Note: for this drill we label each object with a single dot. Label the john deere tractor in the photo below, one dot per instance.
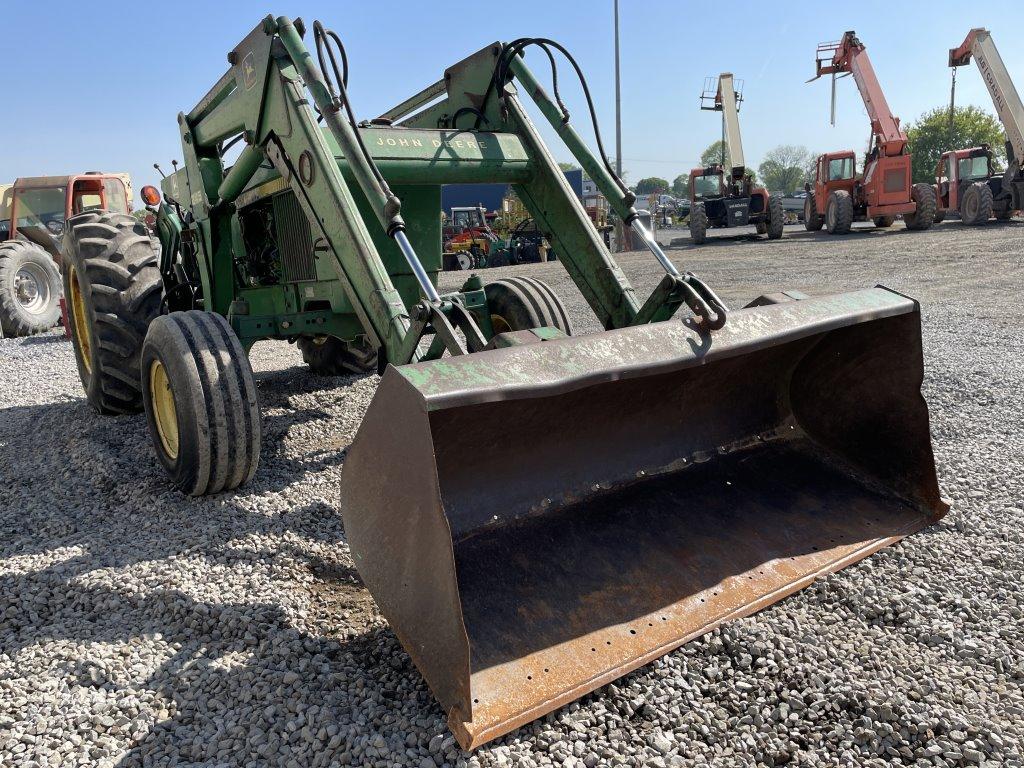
(536, 513)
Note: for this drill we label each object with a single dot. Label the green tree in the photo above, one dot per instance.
(786, 168)
(931, 135)
(569, 166)
(713, 155)
(652, 184)
(681, 185)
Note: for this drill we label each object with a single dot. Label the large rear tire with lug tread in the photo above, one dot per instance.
(698, 224)
(883, 222)
(331, 356)
(523, 303)
(113, 291)
(977, 203)
(839, 212)
(776, 217)
(29, 289)
(201, 402)
(813, 221)
(924, 196)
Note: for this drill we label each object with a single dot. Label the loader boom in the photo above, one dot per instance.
(850, 56)
(338, 172)
(979, 45)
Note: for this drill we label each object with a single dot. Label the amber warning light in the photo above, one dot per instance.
(150, 195)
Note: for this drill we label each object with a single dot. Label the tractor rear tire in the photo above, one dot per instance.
(331, 356)
(113, 292)
(884, 222)
(839, 212)
(776, 217)
(29, 289)
(977, 203)
(698, 224)
(813, 221)
(524, 303)
(927, 204)
(201, 402)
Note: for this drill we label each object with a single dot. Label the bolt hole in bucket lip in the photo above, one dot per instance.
(593, 584)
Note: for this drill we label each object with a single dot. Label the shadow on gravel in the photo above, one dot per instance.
(248, 684)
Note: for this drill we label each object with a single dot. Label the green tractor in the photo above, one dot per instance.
(536, 513)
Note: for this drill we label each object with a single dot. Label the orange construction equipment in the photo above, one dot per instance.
(839, 196)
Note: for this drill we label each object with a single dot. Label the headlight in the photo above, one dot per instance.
(55, 227)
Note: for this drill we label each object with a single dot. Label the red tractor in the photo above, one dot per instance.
(838, 197)
(32, 215)
(966, 181)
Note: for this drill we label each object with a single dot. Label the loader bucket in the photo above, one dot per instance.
(539, 520)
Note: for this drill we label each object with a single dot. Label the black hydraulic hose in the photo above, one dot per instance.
(323, 38)
(502, 75)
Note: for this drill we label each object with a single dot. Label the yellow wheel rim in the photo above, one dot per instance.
(164, 413)
(500, 324)
(80, 320)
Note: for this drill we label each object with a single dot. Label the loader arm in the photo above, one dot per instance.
(849, 55)
(979, 45)
(265, 99)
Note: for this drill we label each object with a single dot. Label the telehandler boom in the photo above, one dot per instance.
(838, 197)
(535, 514)
(734, 201)
(966, 179)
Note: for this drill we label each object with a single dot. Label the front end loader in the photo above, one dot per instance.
(535, 513)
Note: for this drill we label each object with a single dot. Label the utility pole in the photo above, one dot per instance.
(618, 100)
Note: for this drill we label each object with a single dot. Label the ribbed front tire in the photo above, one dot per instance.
(201, 402)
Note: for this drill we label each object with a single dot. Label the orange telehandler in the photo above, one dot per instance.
(838, 197)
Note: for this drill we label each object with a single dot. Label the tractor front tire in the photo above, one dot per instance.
(776, 217)
(976, 206)
(813, 221)
(201, 402)
(839, 212)
(883, 222)
(922, 218)
(524, 303)
(113, 291)
(331, 356)
(698, 224)
(29, 289)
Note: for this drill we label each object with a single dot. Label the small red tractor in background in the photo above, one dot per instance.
(838, 197)
(966, 179)
(32, 215)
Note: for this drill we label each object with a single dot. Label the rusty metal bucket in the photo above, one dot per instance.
(539, 520)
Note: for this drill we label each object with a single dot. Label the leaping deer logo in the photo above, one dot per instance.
(248, 71)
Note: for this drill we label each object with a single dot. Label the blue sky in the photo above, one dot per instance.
(101, 90)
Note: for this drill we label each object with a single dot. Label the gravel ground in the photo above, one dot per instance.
(140, 628)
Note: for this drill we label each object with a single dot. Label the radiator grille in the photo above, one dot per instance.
(895, 180)
(294, 238)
